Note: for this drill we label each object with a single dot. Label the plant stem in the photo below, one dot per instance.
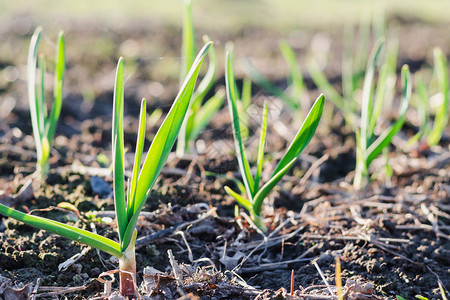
(259, 221)
(127, 266)
(361, 175)
(42, 168)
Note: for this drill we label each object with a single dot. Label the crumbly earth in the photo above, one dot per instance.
(392, 238)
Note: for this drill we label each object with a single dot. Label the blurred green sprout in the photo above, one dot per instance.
(433, 131)
(201, 110)
(44, 122)
(369, 145)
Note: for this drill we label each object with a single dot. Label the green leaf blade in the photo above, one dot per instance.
(367, 96)
(268, 187)
(206, 113)
(241, 200)
(246, 100)
(137, 159)
(41, 104)
(188, 49)
(296, 75)
(261, 148)
(304, 135)
(442, 114)
(162, 144)
(70, 232)
(205, 85)
(118, 153)
(31, 82)
(246, 96)
(379, 97)
(422, 104)
(239, 146)
(207, 82)
(60, 67)
(422, 110)
(385, 138)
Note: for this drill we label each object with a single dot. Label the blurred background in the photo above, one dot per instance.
(148, 35)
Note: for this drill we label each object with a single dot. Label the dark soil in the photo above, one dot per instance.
(393, 236)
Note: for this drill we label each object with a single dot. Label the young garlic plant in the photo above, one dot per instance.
(255, 193)
(432, 131)
(44, 123)
(442, 114)
(200, 111)
(353, 65)
(128, 204)
(368, 145)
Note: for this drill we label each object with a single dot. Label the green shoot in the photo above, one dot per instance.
(188, 48)
(155, 116)
(368, 146)
(441, 116)
(353, 70)
(296, 77)
(433, 131)
(244, 104)
(422, 105)
(201, 111)
(255, 194)
(128, 205)
(44, 124)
